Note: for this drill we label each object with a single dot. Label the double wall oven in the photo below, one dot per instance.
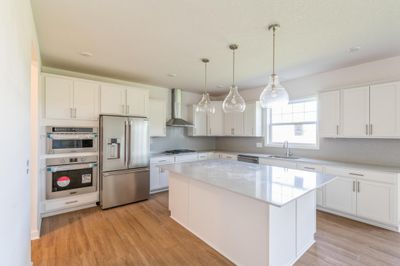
(71, 175)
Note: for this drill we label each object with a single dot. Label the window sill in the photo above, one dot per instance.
(292, 146)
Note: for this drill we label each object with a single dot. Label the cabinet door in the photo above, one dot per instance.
(355, 115)
(86, 100)
(233, 124)
(384, 110)
(154, 178)
(216, 120)
(112, 99)
(58, 98)
(376, 201)
(340, 195)
(252, 120)
(329, 113)
(163, 175)
(199, 120)
(137, 101)
(157, 118)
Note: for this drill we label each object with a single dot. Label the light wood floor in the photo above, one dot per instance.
(143, 234)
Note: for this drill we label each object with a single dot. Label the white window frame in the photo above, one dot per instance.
(268, 125)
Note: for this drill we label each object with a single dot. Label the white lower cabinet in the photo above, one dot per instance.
(340, 195)
(375, 201)
(158, 177)
(367, 195)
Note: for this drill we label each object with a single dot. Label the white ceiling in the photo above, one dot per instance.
(144, 40)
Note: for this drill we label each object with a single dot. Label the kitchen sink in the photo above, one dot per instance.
(283, 157)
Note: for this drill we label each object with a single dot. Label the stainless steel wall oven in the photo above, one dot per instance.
(69, 176)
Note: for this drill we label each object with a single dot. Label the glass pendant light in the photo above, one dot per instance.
(274, 94)
(233, 102)
(205, 104)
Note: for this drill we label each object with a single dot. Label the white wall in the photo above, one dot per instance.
(17, 35)
(371, 151)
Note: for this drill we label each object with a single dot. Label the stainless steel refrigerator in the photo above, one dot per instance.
(124, 160)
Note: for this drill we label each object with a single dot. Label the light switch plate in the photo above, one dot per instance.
(259, 144)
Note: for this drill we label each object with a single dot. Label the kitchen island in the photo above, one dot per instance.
(252, 214)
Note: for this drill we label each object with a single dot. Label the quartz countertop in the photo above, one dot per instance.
(271, 184)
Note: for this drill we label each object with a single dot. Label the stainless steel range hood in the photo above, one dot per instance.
(176, 110)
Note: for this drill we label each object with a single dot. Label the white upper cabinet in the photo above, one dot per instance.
(253, 120)
(66, 98)
(157, 118)
(329, 114)
(215, 121)
(199, 120)
(234, 124)
(58, 97)
(137, 102)
(355, 115)
(121, 100)
(112, 99)
(362, 112)
(86, 100)
(384, 110)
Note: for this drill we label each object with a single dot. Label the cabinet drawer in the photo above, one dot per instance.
(69, 202)
(204, 156)
(186, 158)
(310, 167)
(362, 174)
(280, 163)
(162, 160)
(228, 156)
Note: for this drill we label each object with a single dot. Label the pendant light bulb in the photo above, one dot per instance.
(233, 102)
(205, 104)
(274, 94)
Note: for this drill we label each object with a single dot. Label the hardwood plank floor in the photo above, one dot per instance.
(143, 234)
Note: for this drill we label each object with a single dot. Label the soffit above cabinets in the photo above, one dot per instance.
(144, 40)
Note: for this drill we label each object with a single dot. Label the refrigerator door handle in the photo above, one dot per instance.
(126, 144)
(129, 144)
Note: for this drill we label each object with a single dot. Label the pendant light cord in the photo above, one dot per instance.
(205, 77)
(273, 50)
(233, 68)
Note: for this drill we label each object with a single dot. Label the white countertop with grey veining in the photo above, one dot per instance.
(271, 184)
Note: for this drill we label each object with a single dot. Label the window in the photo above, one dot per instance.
(295, 123)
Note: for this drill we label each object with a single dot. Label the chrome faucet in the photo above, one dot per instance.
(288, 152)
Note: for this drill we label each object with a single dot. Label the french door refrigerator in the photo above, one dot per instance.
(124, 160)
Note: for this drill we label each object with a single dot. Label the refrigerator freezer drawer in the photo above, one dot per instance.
(123, 187)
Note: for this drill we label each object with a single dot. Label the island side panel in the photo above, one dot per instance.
(234, 225)
(306, 226)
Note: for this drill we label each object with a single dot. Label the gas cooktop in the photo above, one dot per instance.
(178, 151)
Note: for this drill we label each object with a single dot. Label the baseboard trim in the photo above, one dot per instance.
(351, 217)
(35, 234)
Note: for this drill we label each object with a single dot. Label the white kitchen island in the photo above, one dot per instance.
(252, 214)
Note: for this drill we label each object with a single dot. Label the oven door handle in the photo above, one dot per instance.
(71, 167)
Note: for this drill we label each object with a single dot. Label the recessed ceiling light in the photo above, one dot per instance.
(354, 49)
(86, 54)
(172, 75)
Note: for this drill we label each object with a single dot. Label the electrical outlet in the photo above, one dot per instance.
(259, 144)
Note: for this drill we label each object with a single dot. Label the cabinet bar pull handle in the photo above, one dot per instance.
(356, 174)
(70, 202)
(309, 168)
(358, 186)
(127, 109)
(123, 108)
(71, 113)
(366, 129)
(354, 186)
(370, 129)
(337, 129)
